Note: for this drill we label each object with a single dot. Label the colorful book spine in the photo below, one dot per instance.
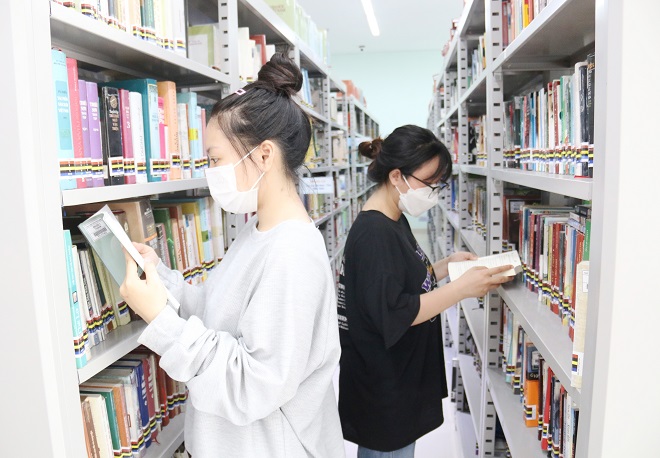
(130, 171)
(111, 134)
(84, 124)
(164, 163)
(137, 130)
(184, 143)
(167, 90)
(76, 123)
(202, 161)
(77, 327)
(95, 140)
(65, 150)
(190, 99)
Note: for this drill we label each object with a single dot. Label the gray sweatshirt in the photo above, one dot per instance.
(257, 346)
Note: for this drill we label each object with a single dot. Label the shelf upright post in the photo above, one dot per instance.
(494, 189)
(42, 391)
(227, 14)
(463, 137)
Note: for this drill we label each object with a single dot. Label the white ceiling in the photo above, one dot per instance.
(405, 25)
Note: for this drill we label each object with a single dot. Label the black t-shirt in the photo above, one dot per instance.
(392, 375)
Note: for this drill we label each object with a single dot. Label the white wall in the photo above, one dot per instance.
(396, 85)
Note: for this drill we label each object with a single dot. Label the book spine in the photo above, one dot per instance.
(152, 134)
(202, 159)
(95, 140)
(65, 151)
(184, 143)
(591, 73)
(127, 137)
(137, 132)
(167, 90)
(76, 123)
(84, 120)
(111, 135)
(74, 307)
(164, 163)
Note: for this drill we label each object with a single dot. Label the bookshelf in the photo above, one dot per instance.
(563, 33)
(46, 362)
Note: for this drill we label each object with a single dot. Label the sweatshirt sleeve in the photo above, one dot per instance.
(246, 378)
(190, 297)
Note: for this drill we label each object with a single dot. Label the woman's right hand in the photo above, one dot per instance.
(147, 253)
(478, 281)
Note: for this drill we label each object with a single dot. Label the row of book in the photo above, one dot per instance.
(125, 406)
(477, 135)
(135, 131)
(162, 22)
(478, 205)
(477, 61)
(551, 129)
(187, 235)
(311, 93)
(516, 15)
(553, 243)
(546, 405)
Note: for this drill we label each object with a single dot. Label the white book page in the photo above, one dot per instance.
(456, 269)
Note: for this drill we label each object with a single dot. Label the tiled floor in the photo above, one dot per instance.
(444, 441)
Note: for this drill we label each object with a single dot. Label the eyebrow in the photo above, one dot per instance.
(208, 150)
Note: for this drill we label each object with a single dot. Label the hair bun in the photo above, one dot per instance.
(371, 149)
(282, 74)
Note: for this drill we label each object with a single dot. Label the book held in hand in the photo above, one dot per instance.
(107, 237)
(457, 269)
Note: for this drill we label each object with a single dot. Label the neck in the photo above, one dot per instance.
(279, 202)
(385, 200)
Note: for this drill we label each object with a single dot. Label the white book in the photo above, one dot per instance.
(159, 23)
(457, 269)
(179, 21)
(168, 25)
(182, 119)
(270, 51)
(134, 23)
(580, 324)
(137, 132)
(575, 105)
(101, 424)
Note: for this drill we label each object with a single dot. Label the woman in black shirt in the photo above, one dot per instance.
(392, 378)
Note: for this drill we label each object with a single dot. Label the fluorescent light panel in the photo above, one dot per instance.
(371, 17)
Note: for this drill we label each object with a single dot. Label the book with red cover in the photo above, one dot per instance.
(260, 41)
(76, 121)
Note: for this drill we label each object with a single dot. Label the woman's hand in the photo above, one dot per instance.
(442, 267)
(146, 297)
(478, 281)
(147, 253)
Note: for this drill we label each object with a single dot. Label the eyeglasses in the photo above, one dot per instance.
(434, 187)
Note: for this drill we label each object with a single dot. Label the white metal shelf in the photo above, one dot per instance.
(95, 43)
(453, 218)
(474, 170)
(365, 190)
(466, 433)
(522, 441)
(169, 439)
(476, 318)
(475, 242)
(476, 93)
(322, 219)
(309, 60)
(313, 113)
(451, 315)
(127, 191)
(545, 330)
(335, 125)
(441, 247)
(472, 388)
(341, 208)
(562, 29)
(580, 188)
(362, 108)
(306, 169)
(452, 112)
(117, 343)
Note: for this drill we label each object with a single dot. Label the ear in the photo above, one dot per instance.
(396, 178)
(265, 155)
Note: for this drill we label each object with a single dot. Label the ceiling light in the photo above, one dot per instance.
(371, 17)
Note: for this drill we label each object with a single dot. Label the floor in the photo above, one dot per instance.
(444, 441)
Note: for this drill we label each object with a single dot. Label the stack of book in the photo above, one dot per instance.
(546, 405)
(125, 406)
(125, 132)
(156, 21)
(551, 129)
(187, 235)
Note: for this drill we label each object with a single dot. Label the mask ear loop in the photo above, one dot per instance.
(245, 157)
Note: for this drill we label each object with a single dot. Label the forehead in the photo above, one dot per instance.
(217, 140)
(428, 170)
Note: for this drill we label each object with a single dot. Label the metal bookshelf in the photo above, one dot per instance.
(105, 53)
(472, 386)
(563, 33)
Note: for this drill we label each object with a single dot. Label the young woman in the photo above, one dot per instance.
(392, 378)
(257, 345)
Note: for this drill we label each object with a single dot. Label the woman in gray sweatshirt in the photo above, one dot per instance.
(257, 344)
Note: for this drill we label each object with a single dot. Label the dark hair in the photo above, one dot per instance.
(407, 148)
(266, 111)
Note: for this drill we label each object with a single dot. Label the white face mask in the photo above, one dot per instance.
(417, 201)
(224, 190)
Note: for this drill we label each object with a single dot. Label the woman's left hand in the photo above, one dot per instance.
(146, 297)
(462, 256)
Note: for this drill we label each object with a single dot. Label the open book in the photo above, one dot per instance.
(107, 237)
(456, 269)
